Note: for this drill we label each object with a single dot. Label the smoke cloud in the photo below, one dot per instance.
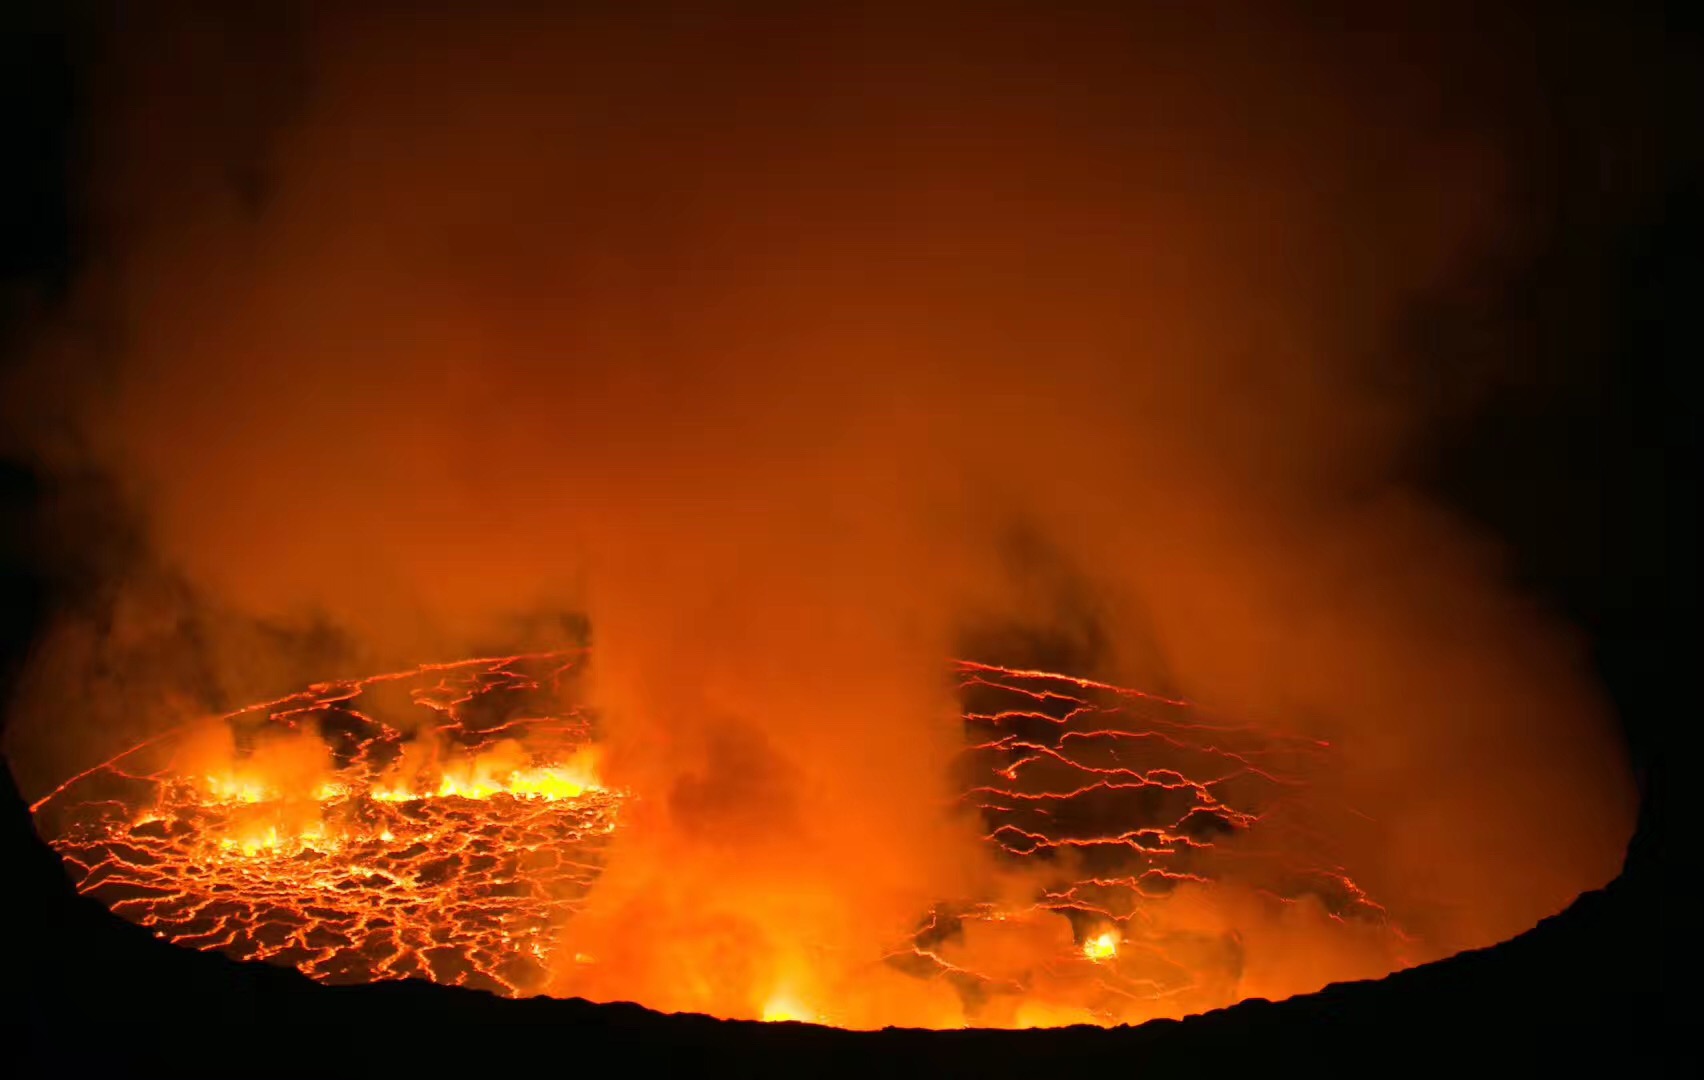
(797, 351)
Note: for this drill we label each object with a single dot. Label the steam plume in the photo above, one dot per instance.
(757, 339)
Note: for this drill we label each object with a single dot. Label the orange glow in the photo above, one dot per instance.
(714, 384)
(1103, 946)
(781, 1007)
(462, 849)
(463, 878)
(547, 782)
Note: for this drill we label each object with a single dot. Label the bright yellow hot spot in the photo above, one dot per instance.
(266, 841)
(237, 789)
(782, 1007)
(1103, 946)
(545, 783)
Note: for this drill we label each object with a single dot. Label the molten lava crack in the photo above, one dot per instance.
(1110, 799)
(455, 820)
(460, 871)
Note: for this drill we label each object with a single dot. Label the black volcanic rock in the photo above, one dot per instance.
(95, 995)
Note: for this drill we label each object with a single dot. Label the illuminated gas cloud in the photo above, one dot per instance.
(796, 357)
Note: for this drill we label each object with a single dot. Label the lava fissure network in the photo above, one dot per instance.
(447, 822)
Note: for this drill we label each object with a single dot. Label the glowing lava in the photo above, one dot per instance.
(446, 823)
(1139, 822)
(1103, 946)
(458, 865)
(782, 1007)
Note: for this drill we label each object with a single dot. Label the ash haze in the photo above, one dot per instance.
(755, 338)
